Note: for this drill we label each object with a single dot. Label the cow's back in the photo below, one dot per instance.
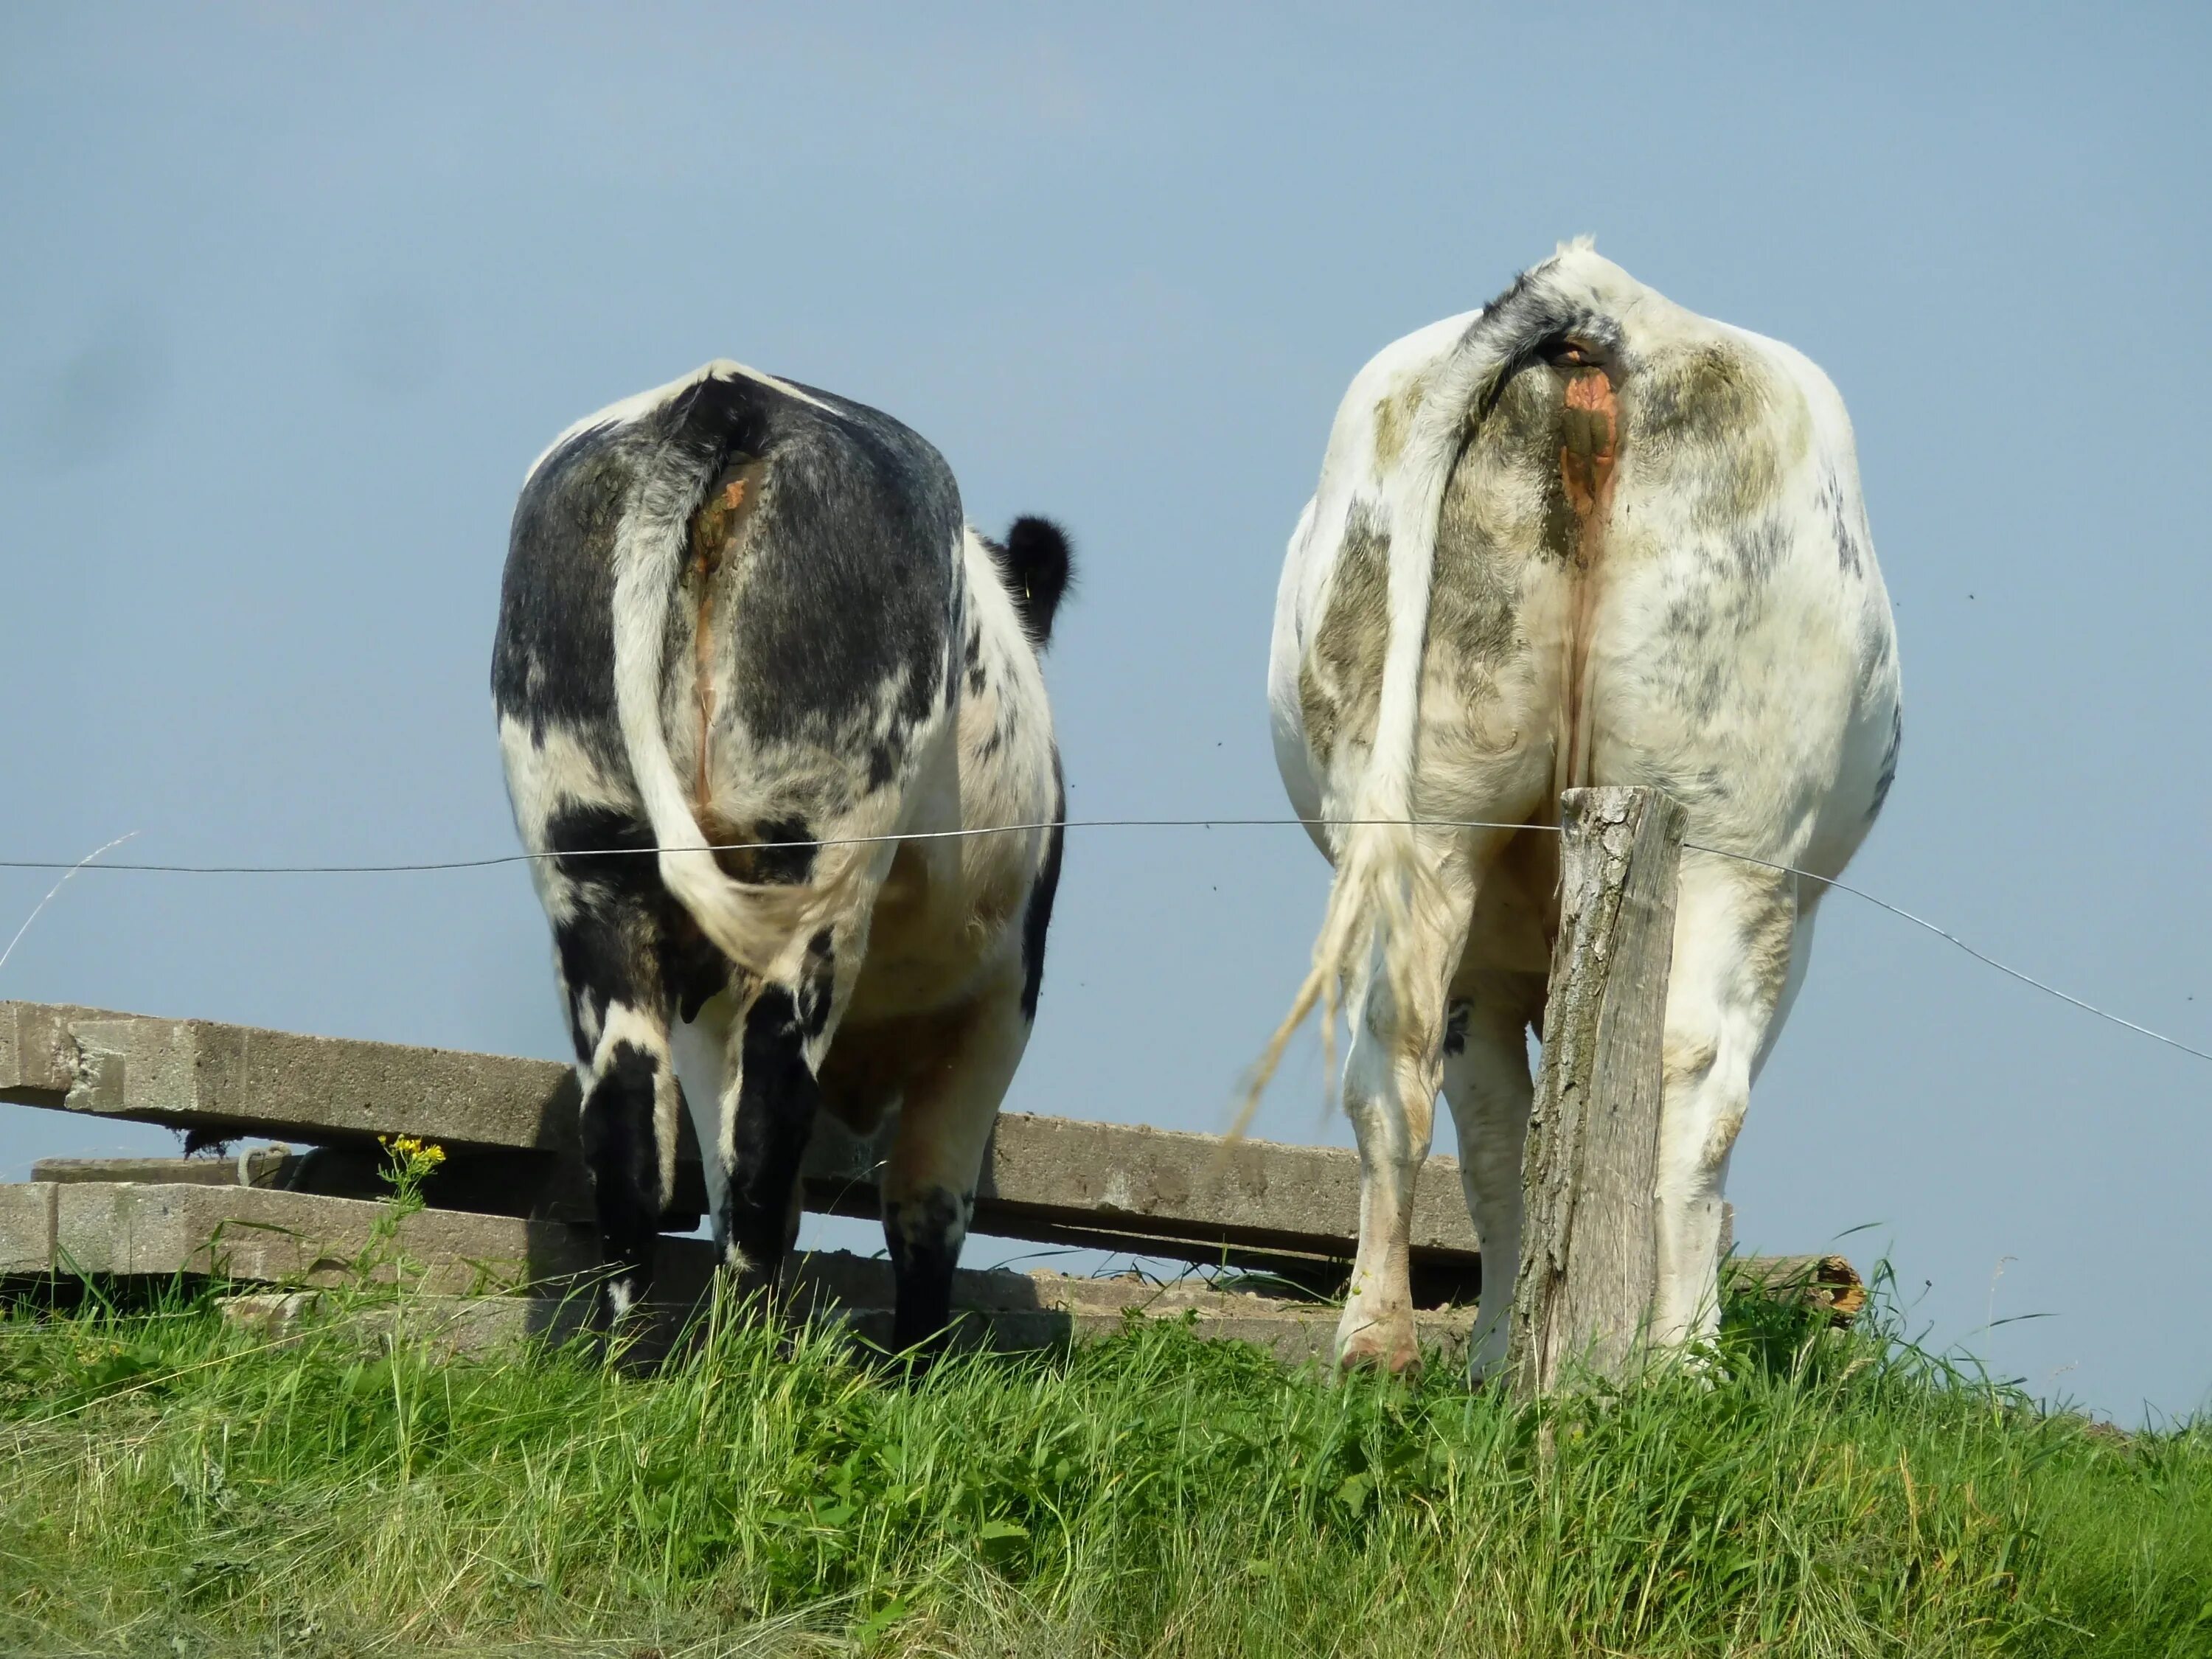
(1715, 626)
(823, 623)
(553, 654)
(1743, 654)
(844, 599)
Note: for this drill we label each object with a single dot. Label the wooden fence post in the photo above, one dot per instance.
(1589, 1256)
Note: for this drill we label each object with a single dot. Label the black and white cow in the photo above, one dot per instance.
(1581, 536)
(745, 622)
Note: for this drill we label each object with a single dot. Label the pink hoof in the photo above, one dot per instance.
(1385, 1345)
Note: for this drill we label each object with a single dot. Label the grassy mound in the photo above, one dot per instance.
(170, 1485)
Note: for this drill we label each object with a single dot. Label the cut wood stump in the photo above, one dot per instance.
(1828, 1283)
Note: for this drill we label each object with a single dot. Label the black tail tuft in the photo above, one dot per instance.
(1039, 568)
(213, 1143)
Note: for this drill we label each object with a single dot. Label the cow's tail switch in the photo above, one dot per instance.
(1574, 299)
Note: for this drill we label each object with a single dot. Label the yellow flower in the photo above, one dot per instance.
(413, 1156)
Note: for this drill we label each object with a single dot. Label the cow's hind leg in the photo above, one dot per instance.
(1391, 1076)
(962, 1070)
(1732, 943)
(613, 976)
(1486, 1082)
(771, 1095)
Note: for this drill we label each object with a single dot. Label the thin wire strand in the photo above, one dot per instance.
(1860, 893)
(38, 909)
(761, 846)
(1900, 912)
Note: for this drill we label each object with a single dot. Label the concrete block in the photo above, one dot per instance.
(256, 1235)
(26, 1227)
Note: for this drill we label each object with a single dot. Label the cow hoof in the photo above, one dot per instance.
(750, 1290)
(1700, 1362)
(912, 1368)
(909, 1365)
(1380, 1346)
(622, 1303)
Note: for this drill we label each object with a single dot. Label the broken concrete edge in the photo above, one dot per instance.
(249, 1080)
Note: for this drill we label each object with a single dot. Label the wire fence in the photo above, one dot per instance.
(91, 861)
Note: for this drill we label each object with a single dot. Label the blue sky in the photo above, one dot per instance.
(296, 294)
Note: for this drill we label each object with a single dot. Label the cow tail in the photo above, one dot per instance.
(1378, 877)
(757, 926)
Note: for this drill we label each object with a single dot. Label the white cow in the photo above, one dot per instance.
(1582, 536)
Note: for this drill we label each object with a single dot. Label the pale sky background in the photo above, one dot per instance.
(293, 295)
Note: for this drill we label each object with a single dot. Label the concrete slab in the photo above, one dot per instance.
(314, 1248)
(244, 1080)
(1010, 1311)
(1254, 1192)
(129, 1229)
(1161, 1191)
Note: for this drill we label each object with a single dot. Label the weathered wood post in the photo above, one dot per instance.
(1588, 1253)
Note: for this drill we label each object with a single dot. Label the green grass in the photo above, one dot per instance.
(168, 1486)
